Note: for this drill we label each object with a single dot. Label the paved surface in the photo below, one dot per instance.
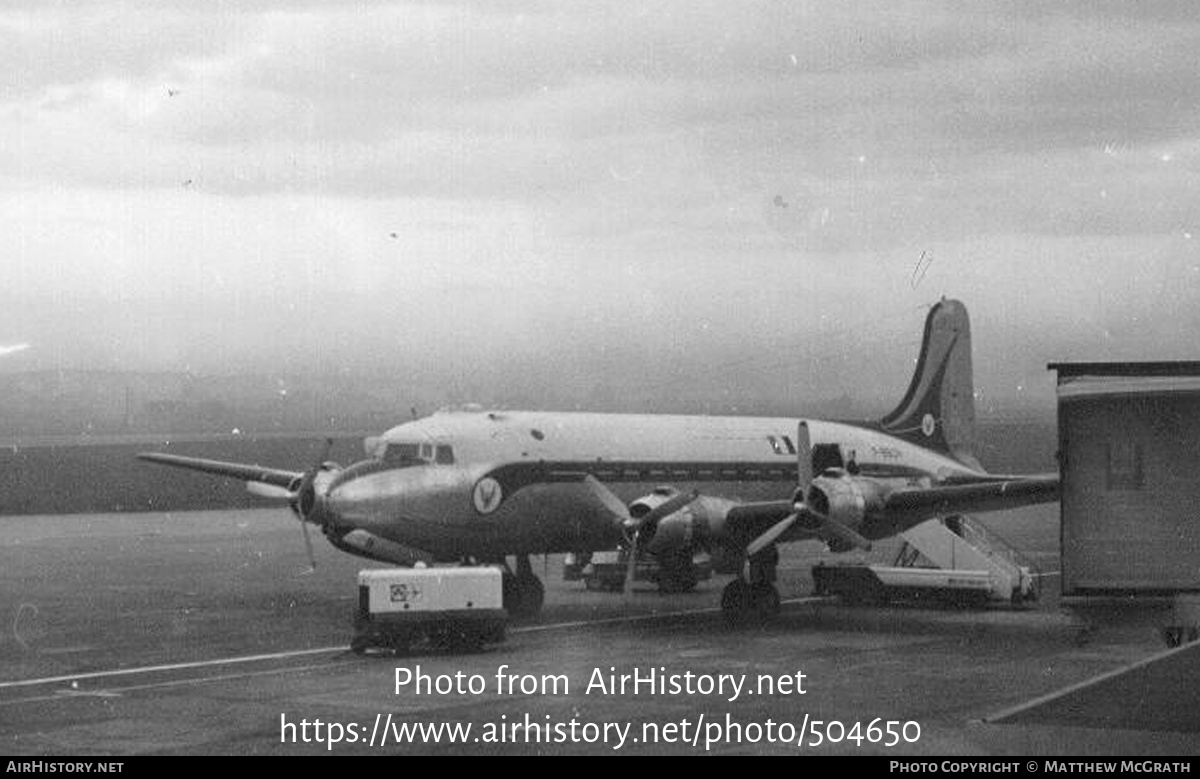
(199, 633)
(1157, 694)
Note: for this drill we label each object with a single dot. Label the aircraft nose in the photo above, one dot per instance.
(330, 512)
(371, 496)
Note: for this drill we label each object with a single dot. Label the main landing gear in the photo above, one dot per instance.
(523, 591)
(753, 598)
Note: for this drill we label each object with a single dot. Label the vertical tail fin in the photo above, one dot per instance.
(938, 410)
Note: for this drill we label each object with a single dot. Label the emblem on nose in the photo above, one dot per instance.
(487, 495)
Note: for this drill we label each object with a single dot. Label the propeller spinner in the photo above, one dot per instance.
(803, 506)
(302, 499)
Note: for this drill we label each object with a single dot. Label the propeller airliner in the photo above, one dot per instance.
(477, 486)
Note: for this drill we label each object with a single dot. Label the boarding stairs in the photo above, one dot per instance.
(959, 545)
(956, 559)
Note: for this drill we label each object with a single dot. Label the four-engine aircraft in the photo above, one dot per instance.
(478, 486)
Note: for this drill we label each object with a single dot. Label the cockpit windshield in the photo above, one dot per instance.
(403, 455)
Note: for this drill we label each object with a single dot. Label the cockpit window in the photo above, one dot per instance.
(402, 454)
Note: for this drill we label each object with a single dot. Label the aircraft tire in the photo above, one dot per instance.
(677, 575)
(523, 595)
(669, 585)
(765, 599)
(533, 594)
(736, 601)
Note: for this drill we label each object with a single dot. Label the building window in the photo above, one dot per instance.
(1125, 465)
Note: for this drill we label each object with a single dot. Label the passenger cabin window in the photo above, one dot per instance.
(445, 455)
(825, 456)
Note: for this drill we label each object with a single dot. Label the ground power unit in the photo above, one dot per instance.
(443, 608)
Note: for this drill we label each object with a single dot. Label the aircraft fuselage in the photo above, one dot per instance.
(488, 483)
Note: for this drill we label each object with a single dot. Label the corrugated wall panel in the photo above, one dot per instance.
(1131, 493)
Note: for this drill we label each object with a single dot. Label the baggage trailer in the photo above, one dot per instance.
(606, 571)
(446, 608)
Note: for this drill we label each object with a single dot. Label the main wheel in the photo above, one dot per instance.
(523, 595)
(677, 574)
(764, 600)
(736, 601)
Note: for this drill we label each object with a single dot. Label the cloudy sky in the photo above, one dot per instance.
(628, 203)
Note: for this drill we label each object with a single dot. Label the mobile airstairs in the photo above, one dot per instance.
(946, 561)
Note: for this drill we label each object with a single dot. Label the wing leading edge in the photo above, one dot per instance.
(999, 495)
(249, 473)
(884, 511)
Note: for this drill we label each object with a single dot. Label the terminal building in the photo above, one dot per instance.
(1129, 452)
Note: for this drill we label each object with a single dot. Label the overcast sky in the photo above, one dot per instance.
(706, 198)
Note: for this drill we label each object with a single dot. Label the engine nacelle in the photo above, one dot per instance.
(845, 499)
(647, 503)
(364, 544)
(689, 528)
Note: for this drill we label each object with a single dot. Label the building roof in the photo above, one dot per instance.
(1160, 368)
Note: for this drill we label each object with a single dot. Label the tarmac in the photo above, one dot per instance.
(202, 633)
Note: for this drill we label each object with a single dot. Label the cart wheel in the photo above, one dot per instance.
(398, 645)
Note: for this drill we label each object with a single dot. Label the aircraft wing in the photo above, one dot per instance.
(745, 522)
(884, 511)
(248, 473)
(919, 504)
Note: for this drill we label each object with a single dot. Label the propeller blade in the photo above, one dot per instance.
(615, 505)
(306, 484)
(631, 568)
(772, 533)
(308, 547)
(617, 508)
(271, 491)
(668, 507)
(803, 457)
(835, 528)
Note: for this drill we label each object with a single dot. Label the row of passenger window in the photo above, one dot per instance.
(693, 474)
(778, 444)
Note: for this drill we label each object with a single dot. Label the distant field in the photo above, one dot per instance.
(1017, 447)
(65, 477)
